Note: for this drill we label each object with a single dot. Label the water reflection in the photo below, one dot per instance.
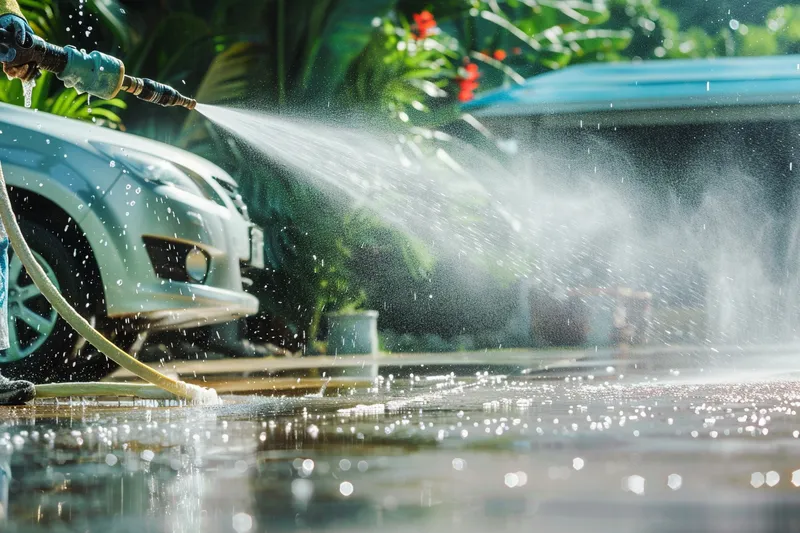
(636, 454)
(5, 481)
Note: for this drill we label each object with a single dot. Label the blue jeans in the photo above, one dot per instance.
(4, 342)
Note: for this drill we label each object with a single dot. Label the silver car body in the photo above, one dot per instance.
(97, 177)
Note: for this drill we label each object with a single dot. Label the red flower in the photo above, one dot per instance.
(468, 83)
(500, 55)
(516, 50)
(424, 22)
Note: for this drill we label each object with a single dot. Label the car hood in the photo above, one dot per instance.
(88, 135)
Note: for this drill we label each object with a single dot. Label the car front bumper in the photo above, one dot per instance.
(184, 305)
(132, 215)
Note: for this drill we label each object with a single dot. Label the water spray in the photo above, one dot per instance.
(102, 76)
(95, 73)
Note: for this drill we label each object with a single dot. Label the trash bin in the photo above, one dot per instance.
(353, 333)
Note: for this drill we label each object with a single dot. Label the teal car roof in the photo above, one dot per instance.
(648, 85)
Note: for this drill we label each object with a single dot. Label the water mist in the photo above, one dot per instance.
(596, 228)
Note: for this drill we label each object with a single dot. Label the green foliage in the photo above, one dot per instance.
(341, 41)
(657, 31)
(537, 36)
(711, 15)
(784, 24)
(393, 75)
(45, 18)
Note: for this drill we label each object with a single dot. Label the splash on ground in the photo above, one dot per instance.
(628, 449)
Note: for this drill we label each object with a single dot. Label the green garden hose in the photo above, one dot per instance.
(177, 388)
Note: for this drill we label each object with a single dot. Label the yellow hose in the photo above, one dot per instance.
(99, 390)
(95, 338)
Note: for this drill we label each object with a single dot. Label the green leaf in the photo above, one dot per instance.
(43, 17)
(226, 79)
(110, 13)
(347, 32)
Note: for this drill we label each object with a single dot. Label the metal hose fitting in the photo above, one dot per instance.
(156, 93)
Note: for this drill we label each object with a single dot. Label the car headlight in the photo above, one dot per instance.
(151, 169)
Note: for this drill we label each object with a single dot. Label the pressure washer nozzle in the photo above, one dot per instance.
(156, 93)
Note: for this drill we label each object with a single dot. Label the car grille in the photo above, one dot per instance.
(233, 193)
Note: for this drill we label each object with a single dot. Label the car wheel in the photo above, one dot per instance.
(43, 347)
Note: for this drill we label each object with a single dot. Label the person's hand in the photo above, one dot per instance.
(23, 34)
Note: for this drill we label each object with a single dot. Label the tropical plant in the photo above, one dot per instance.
(45, 18)
(658, 33)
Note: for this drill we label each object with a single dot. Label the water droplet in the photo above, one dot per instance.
(27, 92)
(635, 484)
(242, 522)
(302, 489)
(674, 481)
(772, 478)
(346, 488)
(511, 480)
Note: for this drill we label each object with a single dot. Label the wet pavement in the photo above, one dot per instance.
(658, 445)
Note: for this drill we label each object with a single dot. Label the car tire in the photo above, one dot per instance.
(45, 349)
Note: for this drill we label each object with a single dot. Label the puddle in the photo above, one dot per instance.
(441, 454)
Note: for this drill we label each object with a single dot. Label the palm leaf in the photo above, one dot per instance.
(347, 32)
(112, 15)
(226, 79)
(43, 18)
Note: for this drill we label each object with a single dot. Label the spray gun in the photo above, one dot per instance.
(95, 73)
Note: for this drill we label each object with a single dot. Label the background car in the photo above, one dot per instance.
(139, 236)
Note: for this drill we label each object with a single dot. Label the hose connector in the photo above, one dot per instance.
(156, 93)
(96, 73)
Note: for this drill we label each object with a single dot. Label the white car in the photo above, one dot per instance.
(138, 235)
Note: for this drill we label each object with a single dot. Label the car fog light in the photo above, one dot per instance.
(197, 265)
